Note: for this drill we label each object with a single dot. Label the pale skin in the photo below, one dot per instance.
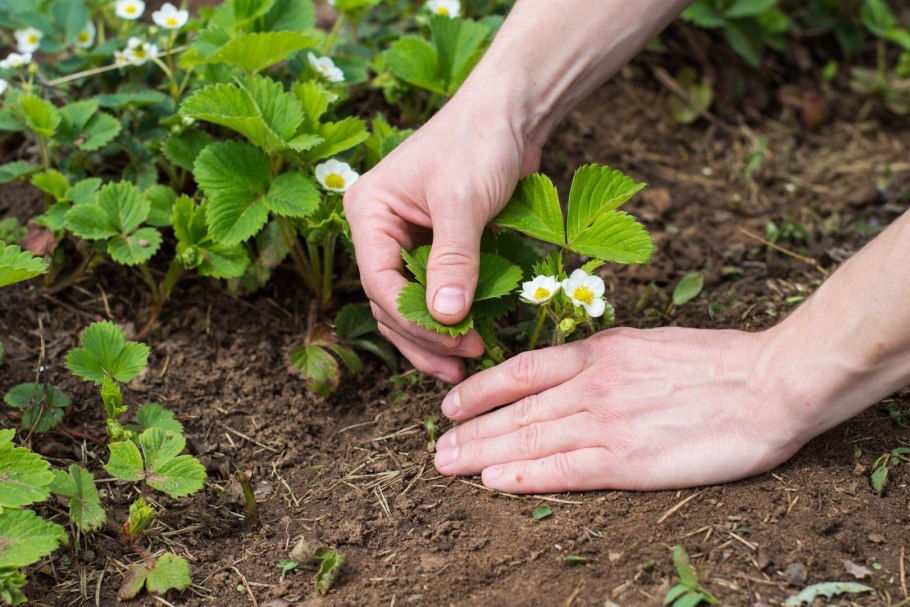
(624, 409)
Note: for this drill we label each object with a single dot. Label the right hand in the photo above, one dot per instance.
(446, 183)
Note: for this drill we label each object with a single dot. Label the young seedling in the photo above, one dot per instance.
(883, 466)
(430, 426)
(326, 561)
(689, 592)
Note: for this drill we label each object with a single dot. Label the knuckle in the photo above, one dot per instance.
(523, 369)
(523, 411)
(560, 468)
(449, 257)
(529, 439)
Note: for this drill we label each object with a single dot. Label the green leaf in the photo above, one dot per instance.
(161, 204)
(329, 566)
(748, 8)
(688, 288)
(825, 589)
(417, 261)
(84, 192)
(138, 98)
(534, 210)
(596, 190)
(106, 352)
(170, 572)
(348, 357)
(290, 15)
(51, 182)
(458, 44)
(154, 415)
(257, 107)
(140, 517)
(541, 512)
(24, 476)
(234, 177)
(133, 581)
(183, 148)
(675, 592)
(690, 599)
(877, 17)
(293, 194)
(89, 221)
(11, 583)
(615, 236)
(26, 538)
(684, 567)
(879, 479)
(412, 305)
(746, 38)
(136, 248)
(354, 321)
(415, 61)
(101, 130)
(702, 14)
(314, 98)
(160, 447)
(17, 265)
(497, 277)
(40, 116)
(196, 250)
(14, 170)
(338, 137)
(164, 469)
(125, 461)
(124, 205)
(85, 505)
(255, 52)
(319, 368)
(29, 398)
(112, 398)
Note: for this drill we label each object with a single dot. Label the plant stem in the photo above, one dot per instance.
(316, 268)
(330, 39)
(541, 317)
(150, 281)
(292, 242)
(328, 261)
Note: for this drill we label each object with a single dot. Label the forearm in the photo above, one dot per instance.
(548, 55)
(849, 345)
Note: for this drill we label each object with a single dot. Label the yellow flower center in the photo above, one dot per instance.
(584, 295)
(172, 21)
(130, 9)
(83, 37)
(334, 181)
(139, 53)
(541, 293)
(442, 11)
(32, 39)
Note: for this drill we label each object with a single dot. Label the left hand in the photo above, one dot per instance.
(625, 409)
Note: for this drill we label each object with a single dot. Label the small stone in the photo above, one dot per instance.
(876, 538)
(796, 574)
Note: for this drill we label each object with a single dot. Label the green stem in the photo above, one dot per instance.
(431, 103)
(150, 281)
(330, 39)
(328, 261)
(316, 265)
(537, 328)
(45, 153)
(170, 279)
(493, 351)
(289, 235)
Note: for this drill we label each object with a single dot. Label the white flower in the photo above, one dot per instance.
(120, 59)
(133, 42)
(86, 37)
(326, 67)
(586, 291)
(3, 86)
(331, 3)
(336, 176)
(28, 39)
(169, 17)
(15, 60)
(140, 53)
(129, 9)
(540, 290)
(446, 8)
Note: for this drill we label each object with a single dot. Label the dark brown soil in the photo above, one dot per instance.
(353, 471)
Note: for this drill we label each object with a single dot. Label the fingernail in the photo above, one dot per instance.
(445, 457)
(451, 404)
(449, 300)
(448, 441)
(491, 473)
(443, 378)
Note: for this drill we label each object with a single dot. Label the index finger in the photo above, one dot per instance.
(526, 374)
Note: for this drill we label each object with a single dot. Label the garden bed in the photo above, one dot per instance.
(353, 471)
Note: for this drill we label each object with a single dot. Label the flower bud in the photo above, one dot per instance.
(567, 325)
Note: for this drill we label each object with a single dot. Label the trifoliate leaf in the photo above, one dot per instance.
(136, 248)
(319, 368)
(183, 148)
(161, 204)
(17, 265)
(124, 204)
(348, 358)
(827, 590)
(534, 210)
(26, 538)
(40, 116)
(458, 44)
(30, 398)
(24, 476)
(105, 352)
(164, 469)
(79, 486)
(353, 321)
(257, 107)
(329, 566)
(125, 462)
(100, 131)
(255, 52)
(160, 447)
(293, 194)
(133, 581)
(614, 236)
(688, 288)
(596, 190)
(415, 61)
(89, 221)
(234, 177)
(196, 250)
(314, 98)
(51, 182)
(154, 415)
(14, 170)
(493, 309)
(412, 305)
(74, 117)
(170, 572)
(84, 192)
(338, 137)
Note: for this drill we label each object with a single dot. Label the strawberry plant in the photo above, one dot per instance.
(592, 227)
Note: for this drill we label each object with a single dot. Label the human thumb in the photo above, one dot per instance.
(453, 266)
